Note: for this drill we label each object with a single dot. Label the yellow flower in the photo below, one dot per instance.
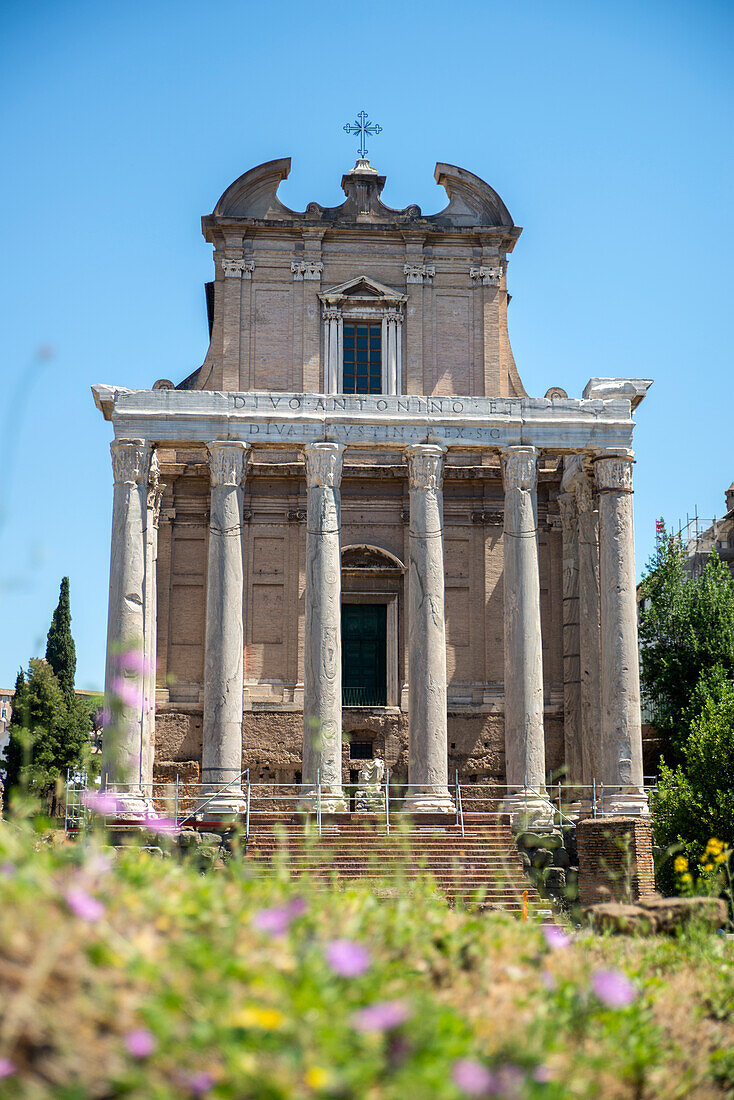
(317, 1078)
(720, 858)
(680, 863)
(267, 1019)
(708, 866)
(715, 846)
(686, 878)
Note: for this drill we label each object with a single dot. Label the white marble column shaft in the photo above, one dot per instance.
(225, 636)
(589, 630)
(571, 676)
(621, 733)
(150, 619)
(123, 739)
(322, 682)
(428, 752)
(524, 733)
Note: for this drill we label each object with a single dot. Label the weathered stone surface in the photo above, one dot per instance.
(673, 913)
(224, 653)
(322, 679)
(615, 916)
(541, 857)
(428, 760)
(621, 733)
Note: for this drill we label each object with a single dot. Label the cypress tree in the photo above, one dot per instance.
(60, 649)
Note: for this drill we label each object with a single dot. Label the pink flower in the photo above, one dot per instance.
(101, 802)
(555, 937)
(163, 826)
(472, 1077)
(382, 1016)
(83, 905)
(134, 661)
(127, 692)
(277, 921)
(542, 1074)
(347, 959)
(140, 1043)
(7, 1068)
(613, 988)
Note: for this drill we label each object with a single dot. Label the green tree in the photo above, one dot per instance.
(695, 800)
(15, 750)
(60, 648)
(52, 733)
(686, 632)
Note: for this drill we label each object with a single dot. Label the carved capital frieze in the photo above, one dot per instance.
(520, 468)
(324, 465)
(130, 460)
(228, 462)
(238, 269)
(331, 313)
(394, 315)
(486, 276)
(297, 515)
(614, 473)
(419, 273)
(309, 270)
(425, 466)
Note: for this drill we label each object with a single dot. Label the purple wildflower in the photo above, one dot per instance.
(127, 692)
(163, 826)
(510, 1081)
(472, 1077)
(140, 1043)
(199, 1083)
(277, 921)
(347, 959)
(555, 937)
(134, 661)
(7, 869)
(613, 988)
(7, 1068)
(101, 802)
(382, 1016)
(542, 1074)
(83, 905)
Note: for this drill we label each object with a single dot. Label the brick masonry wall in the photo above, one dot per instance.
(615, 859)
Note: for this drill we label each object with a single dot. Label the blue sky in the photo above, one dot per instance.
(605, 127)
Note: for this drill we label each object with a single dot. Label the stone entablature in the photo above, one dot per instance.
(294, 419)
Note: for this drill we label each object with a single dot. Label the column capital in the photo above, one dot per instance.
(227, 461)
(520, 468)
(331, 313)
(235, 268)
(130, 460)
(324, 465)
(155, 488)
(613, 473)
(425, 465)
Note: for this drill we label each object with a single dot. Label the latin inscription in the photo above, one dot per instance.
(353, 403)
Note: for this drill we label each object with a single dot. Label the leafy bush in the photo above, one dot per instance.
(128, 974)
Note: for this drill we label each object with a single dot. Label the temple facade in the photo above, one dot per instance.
(351, 533)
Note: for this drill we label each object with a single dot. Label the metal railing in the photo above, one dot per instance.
(185, 802)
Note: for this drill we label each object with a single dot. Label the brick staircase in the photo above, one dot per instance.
(483, 864)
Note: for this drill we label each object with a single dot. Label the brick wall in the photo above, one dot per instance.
(615, 859)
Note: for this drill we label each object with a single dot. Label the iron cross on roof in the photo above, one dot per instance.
(362, 127)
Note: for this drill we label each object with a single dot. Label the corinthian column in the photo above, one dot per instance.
(150, 619)
(621, 732)
(123, 741)
(589, 628)
(322, 680)
(428, 758)
(524, 735)
(221, 763)
(571, 686)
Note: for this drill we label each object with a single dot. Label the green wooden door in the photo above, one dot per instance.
(364, 644)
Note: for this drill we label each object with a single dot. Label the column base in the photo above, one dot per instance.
(627, 802)
(526, 808)
(133, 806)
(332, 802)
(226, 805)
(437, 801)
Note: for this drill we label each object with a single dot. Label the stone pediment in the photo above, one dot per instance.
(362, 288)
